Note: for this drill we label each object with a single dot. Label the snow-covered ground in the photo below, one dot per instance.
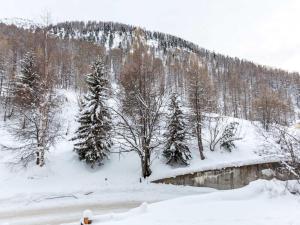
(64, 173)
(65, 181)
(55, 208)
(260, 203)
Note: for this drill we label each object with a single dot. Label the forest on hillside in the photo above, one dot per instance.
(145, 73)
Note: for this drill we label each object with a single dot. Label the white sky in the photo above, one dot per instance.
(264, 31)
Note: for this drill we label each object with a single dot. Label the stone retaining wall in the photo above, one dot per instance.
(230, 177)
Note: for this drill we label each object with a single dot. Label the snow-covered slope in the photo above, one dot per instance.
(21, 23)
(262, 202)
(64, 174)
(66, 180)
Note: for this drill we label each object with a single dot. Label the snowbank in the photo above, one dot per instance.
(262, 202)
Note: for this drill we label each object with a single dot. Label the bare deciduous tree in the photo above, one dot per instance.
(201, 97)
(270, 108)
(142, 102)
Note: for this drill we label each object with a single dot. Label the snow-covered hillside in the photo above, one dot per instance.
(20, 22)
(64, 174)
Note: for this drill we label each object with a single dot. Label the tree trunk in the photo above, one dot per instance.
(42, 161)
(37, 158)
(40, 156)
(199, 139)
(198, 129)
(1, 84)
(24, 123)
(146, 171)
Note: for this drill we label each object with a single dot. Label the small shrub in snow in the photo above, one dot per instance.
(221, 133)
(229, 136)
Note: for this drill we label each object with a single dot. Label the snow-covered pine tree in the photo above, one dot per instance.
(92, 138)
(229, 136)
(176, 151)
(28, 88)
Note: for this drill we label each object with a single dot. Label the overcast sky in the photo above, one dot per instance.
(263, 31)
